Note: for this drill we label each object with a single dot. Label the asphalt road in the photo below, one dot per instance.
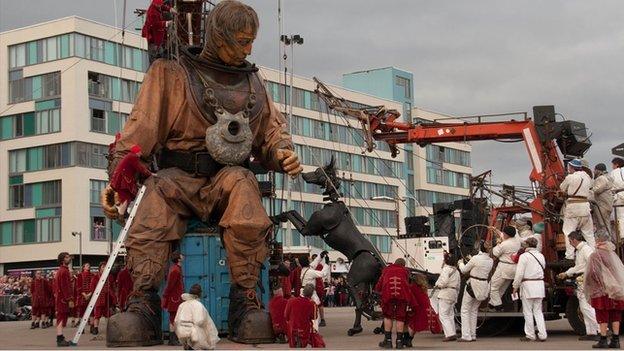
(17, 335)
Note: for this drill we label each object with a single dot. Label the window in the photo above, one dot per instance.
(57, 155)
(99, 229)
(98, 122)
(36, 87)
(42, 194)
(96, 187)
(404, 85)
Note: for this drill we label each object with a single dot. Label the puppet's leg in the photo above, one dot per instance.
(245, 226)
(159, 220)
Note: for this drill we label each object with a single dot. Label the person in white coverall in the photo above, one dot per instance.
(447, 286)
(576, 211)
(309, 275)
(529, 281)
(477, 290)
(617, 174)
(526, 230)
(601, 198)
(193, 325)
(583, 251)
(506, 268)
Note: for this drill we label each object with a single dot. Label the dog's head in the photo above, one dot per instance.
(323, 176)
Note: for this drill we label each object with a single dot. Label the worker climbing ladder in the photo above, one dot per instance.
(109, 265)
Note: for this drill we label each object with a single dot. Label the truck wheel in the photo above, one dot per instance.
(574, 315)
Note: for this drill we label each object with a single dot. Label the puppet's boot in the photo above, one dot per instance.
(139, 325)
(248, 323)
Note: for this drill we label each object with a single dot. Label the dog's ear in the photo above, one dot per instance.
(332, 162)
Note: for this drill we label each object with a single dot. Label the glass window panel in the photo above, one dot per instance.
(32, 53)
(137, 60)
(64, 46)
(51, 49)
(110, 53)
(55, 124)
(6, 127)
(20, 55)
(79, 45)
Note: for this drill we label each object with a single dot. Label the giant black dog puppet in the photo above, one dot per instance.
(334, 224)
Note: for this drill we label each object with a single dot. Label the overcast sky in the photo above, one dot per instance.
(467, 57)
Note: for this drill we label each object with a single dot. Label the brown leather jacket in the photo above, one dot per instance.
(166, 115)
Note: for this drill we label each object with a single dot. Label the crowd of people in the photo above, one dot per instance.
(596, 270)
(63, 295)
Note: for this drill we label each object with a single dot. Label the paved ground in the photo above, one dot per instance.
(17, 335)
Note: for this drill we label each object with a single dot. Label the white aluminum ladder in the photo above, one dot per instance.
(109, 265)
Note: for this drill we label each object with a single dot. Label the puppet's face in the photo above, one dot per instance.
(235, 54)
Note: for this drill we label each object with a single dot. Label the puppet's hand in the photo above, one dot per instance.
(289, 161)
(107, 199)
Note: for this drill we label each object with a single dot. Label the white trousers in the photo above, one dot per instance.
(498, 286)
(589, 314)
(619, 217)
(469, 311)
(447, 317)
(532, 310)
(585, 225)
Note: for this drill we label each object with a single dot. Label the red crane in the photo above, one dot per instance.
(540, 139)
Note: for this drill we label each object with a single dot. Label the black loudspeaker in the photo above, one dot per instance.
(573, 140)
(417, 227)
(545, 122)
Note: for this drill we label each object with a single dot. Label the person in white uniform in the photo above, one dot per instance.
(506, 268)
(477, 290)
(526, 230)
(583, 251)
(601, 198)
(617, 174)
(576, 211)
(447, 286)
(529, 281)
(309, 275)
(193, 325)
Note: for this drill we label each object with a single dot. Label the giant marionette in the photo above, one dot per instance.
(204, 115)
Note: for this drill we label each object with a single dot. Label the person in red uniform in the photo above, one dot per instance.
(417, 317)
(64, 297)
(124, 284)
(173, 291)
(277, 306)
(124, 178)
(300, 313)
(104, 302)
(155, 28)
(73, 312)
(295, 277)
(393, 285)
(51, 300)
(83, 290)
(40, 292)
(285, 281)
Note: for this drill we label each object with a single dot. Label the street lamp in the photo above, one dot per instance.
(397, 201)
(290, 41)
(79, 234)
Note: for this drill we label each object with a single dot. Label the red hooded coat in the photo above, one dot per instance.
(277, 307)
(299, 314)
(174, 289)
(63, 290)
(393, 284)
